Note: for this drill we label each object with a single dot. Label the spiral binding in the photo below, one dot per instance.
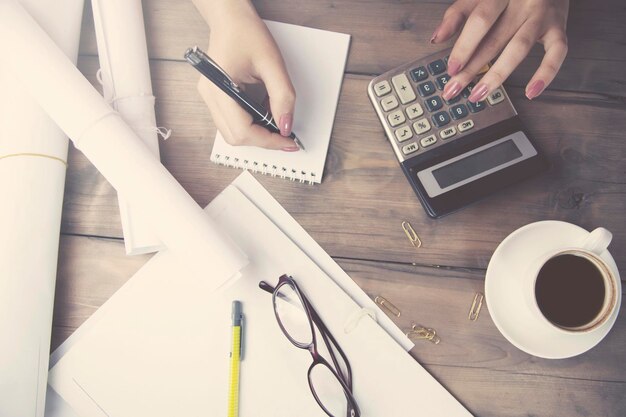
(292, 174)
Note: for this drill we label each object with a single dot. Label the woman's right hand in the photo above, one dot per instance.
(243, 46)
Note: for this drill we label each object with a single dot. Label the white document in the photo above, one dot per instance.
(315, 60)
(112, 146)
(33, 154)
(125, 74)
(160, 345)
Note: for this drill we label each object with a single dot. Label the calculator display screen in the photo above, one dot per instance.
(476, 163)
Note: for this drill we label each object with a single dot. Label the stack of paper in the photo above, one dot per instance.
(160, 345)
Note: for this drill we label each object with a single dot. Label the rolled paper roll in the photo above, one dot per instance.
(112, 146)
(125, 77)
(33, 154)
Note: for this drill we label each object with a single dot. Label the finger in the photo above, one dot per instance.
(512, 55)
(453, 20)
(282, 96)
(555, 45)
(478, 24)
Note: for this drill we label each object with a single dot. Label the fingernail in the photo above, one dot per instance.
(451, 90)
(285, 123)
(454, 67)
(291, 149)
(478, 93)
(535, 89)
(434, 37)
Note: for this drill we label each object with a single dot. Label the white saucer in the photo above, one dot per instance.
(507, 306)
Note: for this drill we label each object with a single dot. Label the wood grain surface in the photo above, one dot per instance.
(356, 213)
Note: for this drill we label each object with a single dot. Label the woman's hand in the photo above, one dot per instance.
(511, 27)
(243, 46)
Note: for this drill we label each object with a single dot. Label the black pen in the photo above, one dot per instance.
(209, 68)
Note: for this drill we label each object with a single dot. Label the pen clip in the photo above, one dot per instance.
(195, 56)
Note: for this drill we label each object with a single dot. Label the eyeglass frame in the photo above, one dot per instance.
(314, 319)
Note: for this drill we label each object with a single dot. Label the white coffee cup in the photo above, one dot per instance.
(590, 249)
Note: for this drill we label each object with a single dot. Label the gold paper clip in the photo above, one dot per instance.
(383, 302)
(477, 304)
(410, 233)
(424, 333)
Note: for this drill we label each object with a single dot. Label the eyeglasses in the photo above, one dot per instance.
(331, 385)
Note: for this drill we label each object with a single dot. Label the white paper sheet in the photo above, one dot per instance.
(112, 146)
(315, 60)
(125, 73)
(160, 346)
(33, 151)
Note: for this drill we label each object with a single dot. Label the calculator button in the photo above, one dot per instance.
(428, 140)
(382, 88)
(426, 88)
(476, 107)
(421, 126)
(442, 80)
(496, 97)
(467, 90)
(466, 125)
(419, 74)
(396, 118)
(458, 112)
(389, 103)
(410, 148)
(437, 67)
(441, 119)
(414, 111)
(454, 99)
(433, 103)
(404, 133)
(448, 132)
(403, 88)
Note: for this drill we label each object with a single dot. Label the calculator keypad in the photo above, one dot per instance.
(416, 118)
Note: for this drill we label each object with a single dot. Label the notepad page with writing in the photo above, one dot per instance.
(161, 346)
(315, 60)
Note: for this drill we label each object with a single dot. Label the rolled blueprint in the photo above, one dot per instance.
(125, 77)
(33, 154)
(112, 146)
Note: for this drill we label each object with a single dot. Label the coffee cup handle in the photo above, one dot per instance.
(598, 240)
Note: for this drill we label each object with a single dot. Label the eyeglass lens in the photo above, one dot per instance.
(328, 390)
(292, 315)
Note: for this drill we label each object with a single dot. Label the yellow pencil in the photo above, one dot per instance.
(236, 355)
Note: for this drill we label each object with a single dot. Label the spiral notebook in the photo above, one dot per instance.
(315, 61)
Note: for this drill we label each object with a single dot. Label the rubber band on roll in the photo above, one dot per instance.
(356, 317)
(37, 155)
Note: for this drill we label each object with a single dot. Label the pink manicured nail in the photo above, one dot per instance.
(478, 93)
(434, 37)
(285, 124)
(451, 90)
(454, 67)
(291, 149)
(535, 89)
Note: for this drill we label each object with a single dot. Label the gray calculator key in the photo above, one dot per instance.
(437, 67)
(433, 103)
(419, 74)
(426, 89)
(441, 119)
(389, 103)
(410, 148)
(396, 118)
(495, 97)
(421, 126)
(404, 133)
(468, 90)
(428, 140)
(442, 80)
(458, 112)
(414, 111)
(403, 88)
(476, 107)
(382, 88)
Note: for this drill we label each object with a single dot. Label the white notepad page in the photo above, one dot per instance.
(315, 61)
(161, 347)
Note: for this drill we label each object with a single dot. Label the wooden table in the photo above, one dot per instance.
(355, 214)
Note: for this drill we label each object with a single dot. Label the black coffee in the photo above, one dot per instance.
(570, 290)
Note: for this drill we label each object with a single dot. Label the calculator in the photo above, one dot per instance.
(452, 152)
